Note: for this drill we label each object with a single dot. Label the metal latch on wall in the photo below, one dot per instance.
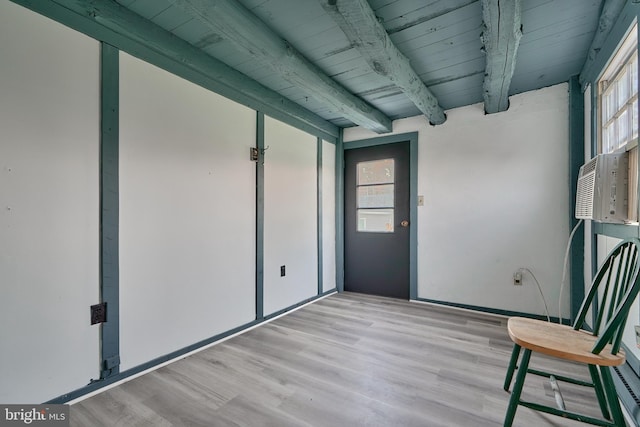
(256, 153)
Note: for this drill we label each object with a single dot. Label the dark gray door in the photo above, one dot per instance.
(376, 220)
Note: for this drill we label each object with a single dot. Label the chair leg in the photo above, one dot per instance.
(512, 366)
(517, 388)
(612, 396)
(597, 385)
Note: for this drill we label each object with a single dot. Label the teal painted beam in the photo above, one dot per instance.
(109, 209)
(235, 23)
(576, 159)
(340, 212)
(361, 26)
(319, 216)
(610, 12)
(260, 217)
(116, 25)
(501, 39)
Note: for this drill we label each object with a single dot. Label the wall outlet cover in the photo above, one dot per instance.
(99, 313)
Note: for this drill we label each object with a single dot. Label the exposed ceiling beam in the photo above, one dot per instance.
(610, 11)
(500, 38)
(361, 26)
(232, 21)
(118, 26)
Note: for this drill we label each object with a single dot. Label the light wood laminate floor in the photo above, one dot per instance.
(346, 360)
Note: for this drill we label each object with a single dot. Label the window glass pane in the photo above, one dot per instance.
(605, 141)
(633, 75)
(609, 138)
(632, 205)
(622, 123)
(376, 172)
(611, 104)
(376, 196)
(375, 220)
(622, 85)
(634, 119)
(606, 110)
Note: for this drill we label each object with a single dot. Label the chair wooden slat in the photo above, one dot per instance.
(560, 341)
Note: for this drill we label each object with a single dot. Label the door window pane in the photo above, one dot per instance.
(375, 196)
(376, 172)
(375, 220)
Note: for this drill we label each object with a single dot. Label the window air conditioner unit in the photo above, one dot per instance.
(602, 188)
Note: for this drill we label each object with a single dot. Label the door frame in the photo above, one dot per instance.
(412, 138)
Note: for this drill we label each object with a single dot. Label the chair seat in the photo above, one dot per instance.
(560, 341)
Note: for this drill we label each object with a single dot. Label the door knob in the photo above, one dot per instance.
(404, 223)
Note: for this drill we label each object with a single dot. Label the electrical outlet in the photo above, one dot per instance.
(98, 313)
(283, 271)
(517, 278)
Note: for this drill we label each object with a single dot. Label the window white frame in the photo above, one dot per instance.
(618, 118)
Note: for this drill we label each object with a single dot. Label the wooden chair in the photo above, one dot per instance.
(612, 292)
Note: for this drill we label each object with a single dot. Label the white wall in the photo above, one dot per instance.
(328, 216)
(48, 207)
(496, 199)
(187, 213)
(290, 216)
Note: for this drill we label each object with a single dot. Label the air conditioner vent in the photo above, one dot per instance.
(584, 196)
(589, 167)
(601, 194)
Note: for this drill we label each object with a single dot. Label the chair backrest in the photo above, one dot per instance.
(613, 291)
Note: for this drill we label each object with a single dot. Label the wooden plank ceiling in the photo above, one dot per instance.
(344, 60)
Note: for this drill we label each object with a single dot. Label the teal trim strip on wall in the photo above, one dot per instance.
(260, 217)
(499, 312)
(320, 215)
(150, 364)
(340, 213)
(412, 138)
(576, 159)
(107, 21)
(299, 304)
(109, 209)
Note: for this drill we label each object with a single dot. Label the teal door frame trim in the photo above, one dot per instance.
(260, 216)
(109, 209)
(412, 138)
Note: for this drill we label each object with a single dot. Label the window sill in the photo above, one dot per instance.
(621, 231)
